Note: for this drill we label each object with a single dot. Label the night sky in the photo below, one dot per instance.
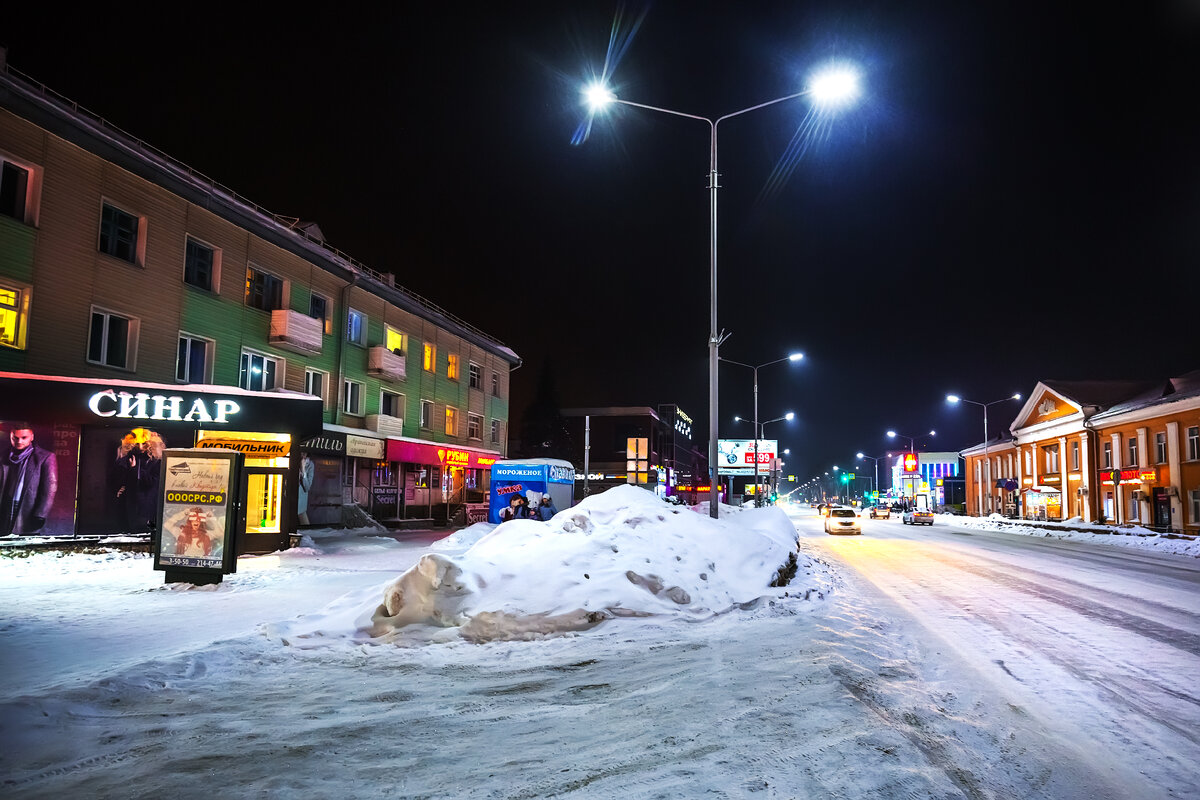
(1015, 197)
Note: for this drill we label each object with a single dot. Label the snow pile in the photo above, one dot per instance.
(1075, 529)
(621, 553)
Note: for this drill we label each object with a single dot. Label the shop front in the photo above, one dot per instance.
(98, 445)
(435, 479)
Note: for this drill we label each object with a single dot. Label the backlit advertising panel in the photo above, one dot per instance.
(197, 528)
(736, 456)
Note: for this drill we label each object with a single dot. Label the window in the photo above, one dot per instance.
(426, 414)
(263, 290)
(451, 421)
(1075, 455)
(1028, 462)
(259, 373)
(452, 367)
(394, 340)
(356, 327)
(318, 308)
(315, 383)
(1108, 455)
(1134, 509)
(201, 265)
(120, 234)
(1160, 448)
(429, 364)
(1194, 502)
(391, 404)
(1193, 439)
(495, 434)
(192, 359)
(112, 340)
(1051, 454)
(14, 315)
(1133, 454)
(495, 384)
(475, 376)
(17, 183)
(352, 397)
(474, 426)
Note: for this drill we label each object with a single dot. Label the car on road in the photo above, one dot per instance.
(842, 520)
(917, 516)
(881, 512)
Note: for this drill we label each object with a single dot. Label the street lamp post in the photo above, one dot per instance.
(829, 87)
(792, 357)
(912, 444)
(987, 468)
(875, 486)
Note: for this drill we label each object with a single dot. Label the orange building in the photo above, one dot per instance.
(1096, 451)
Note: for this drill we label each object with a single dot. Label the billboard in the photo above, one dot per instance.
(199, 489)
(736, 456)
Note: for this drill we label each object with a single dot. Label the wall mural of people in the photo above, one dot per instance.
(134, 479)
(307, 473)
(28, 482)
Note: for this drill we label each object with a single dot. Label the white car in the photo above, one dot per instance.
(842, 520)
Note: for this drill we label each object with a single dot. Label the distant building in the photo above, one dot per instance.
(928, 476)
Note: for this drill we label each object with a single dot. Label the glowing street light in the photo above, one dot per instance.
(760, 433)
(828, 88)
(986, 478)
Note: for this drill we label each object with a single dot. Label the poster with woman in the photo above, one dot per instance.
(196, 531)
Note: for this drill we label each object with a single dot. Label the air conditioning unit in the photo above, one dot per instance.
(1139, 495)
(1172, 491)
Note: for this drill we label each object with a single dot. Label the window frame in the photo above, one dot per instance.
(1194, 497)
(209, 349)
(426, 415)
(132, 331)
(429, 357)
(1075, 456)
(31, 199)
(1160, 447)
(354, 337)
(138, 254)
(474, 375)
(326, 318)
(389, 333)
(1193, 443)
(19, 310)
(348, 393)
(324, 393)
(383, 393)
(214, 266)
(474, 427)
(451, 417)
(282, 300)
(1131, 451)
(251, 354)
(495, 384)
(452, 369)
(494, 433)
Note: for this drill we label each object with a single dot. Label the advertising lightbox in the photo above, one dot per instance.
(736, 456)
(197, 527)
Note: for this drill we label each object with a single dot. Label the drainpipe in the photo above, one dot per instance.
(340, 338)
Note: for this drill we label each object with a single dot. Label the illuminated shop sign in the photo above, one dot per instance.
(1130, 475)
(143, 405)
(262, 449)
(911, 463)
(683, 423)
(454, 457)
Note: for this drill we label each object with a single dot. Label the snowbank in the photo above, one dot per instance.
(621, 553)
(1075, 529)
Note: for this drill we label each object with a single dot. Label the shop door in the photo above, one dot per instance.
(263, 517)
(1162, 510)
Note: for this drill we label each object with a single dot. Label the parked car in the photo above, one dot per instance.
(842, 520)
(881, 512)
(917, 516)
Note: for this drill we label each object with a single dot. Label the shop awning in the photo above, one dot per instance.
(1044, 489)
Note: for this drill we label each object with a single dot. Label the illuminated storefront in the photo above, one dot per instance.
(427, 475)
(107, 438)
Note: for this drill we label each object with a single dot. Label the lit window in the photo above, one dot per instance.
(192, 359)
(429, 364)
(112, 339)
(356, 327)
(352, 397)
(201, 265)
(394, 341)
(120, 234)
(451, 421)
(259, 373)
(452, 367)
(14, 314)
(263, 290)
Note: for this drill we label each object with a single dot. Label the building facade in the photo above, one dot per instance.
(118, 263)
(1099, 451)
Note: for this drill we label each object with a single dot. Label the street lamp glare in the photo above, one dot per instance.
(795, 356)
(859, 455)
(598, 96)
(835, 86)
(952, 398)
(1016, 396)
(789, 416)
(891, 434)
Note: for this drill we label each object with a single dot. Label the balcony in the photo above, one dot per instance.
(383, 363)
(299, 333)
(387, 425)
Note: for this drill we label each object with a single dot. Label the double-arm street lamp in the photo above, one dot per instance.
(793, 357)
(860, 456)
(987, 469)
(828, 88)
(760, 433)
(912, 446)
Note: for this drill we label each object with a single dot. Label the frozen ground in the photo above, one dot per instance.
(282, 683)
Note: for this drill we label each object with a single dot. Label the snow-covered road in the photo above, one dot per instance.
(934, 663)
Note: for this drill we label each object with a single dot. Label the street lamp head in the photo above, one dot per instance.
(834, 86)
(891, 434)
(933, 433)
(859, 455)
(795, 356)
(1016, 396)
(789, 416)
(952, 398)
(598, 96)
(737, 419)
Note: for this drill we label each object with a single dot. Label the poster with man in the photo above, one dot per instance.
(30, 501)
